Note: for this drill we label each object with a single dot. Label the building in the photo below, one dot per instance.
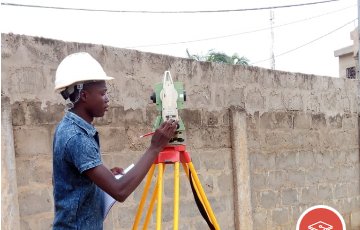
(348, 58)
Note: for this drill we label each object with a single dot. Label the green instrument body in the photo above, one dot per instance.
(179, 86)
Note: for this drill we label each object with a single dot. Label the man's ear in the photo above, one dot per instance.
(84, 95)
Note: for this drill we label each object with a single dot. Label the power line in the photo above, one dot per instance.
(316, 39)
(167, 12)
(236, 34)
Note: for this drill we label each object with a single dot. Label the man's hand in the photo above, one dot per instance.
(117, 171)
(163, 134)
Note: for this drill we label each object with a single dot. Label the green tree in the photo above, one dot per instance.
(219, 57)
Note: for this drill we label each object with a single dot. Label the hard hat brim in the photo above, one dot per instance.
(60, 88)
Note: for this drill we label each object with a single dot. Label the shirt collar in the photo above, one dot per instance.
(89, 128)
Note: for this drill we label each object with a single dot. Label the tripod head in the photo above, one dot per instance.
(169, 97)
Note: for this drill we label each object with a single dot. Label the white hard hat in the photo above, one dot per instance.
(78, 68)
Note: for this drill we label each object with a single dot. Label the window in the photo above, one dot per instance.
(351, 72)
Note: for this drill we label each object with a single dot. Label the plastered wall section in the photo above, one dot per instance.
(301, 134)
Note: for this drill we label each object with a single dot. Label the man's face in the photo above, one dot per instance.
(96, 98)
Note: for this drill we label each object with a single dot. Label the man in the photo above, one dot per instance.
(78, 172)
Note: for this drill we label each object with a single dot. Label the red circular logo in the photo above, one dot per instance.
(320, 217)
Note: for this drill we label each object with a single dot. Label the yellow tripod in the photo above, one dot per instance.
(174, 154)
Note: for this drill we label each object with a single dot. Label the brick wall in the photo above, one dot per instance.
(266, 144)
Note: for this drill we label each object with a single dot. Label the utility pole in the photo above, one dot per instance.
(272, 60)
(358, 51)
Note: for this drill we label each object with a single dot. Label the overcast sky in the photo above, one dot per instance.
(250, 30)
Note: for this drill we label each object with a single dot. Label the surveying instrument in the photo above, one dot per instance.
(170, 96)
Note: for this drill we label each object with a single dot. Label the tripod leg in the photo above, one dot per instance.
(159, 195)
(186, 169)
(176, 195)
(143, 198)
(203, 196)
(151, 207)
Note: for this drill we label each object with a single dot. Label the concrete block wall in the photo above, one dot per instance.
(304, 150)
(296, 167)
(291, 143)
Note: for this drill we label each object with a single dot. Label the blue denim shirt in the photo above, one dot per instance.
(78, 201)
